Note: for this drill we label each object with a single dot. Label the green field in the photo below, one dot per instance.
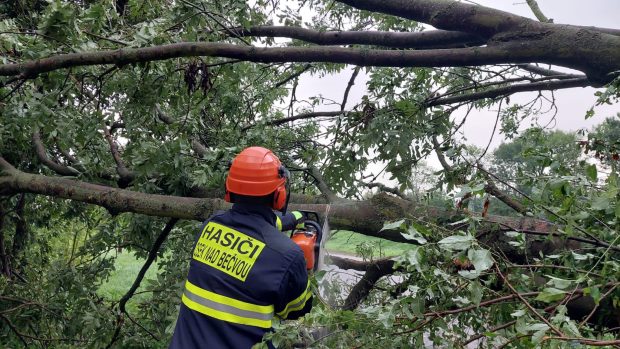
(348, 242)
(126, 269)
(341, 241)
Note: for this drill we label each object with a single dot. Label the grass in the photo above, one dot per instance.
(349, 242)
(120, 280)
(342, 241)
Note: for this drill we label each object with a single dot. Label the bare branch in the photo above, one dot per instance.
(348, 89)
(440, 155)
(126, 176)
(386, 189)
(145, 267)
(526, 303)
(42, 155)
(293, 76)
(545, 72)
(512, 89)
(416, 40)
(302, 116)
(538, 12)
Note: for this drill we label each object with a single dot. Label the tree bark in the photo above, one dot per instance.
(366, 217)
(596, 54)
(416, 40)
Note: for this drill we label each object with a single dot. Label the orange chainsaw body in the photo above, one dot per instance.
(307, 242)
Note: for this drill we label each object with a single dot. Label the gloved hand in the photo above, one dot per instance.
(300, 218)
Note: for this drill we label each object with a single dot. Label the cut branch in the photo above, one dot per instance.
(374, 271)
(42, 155)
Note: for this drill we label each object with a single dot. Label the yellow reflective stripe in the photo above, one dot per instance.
(297, 303)
(224, 316)
(278, 223)
(218, 298)
(297, 215)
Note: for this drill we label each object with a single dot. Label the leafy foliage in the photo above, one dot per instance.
(174, 125)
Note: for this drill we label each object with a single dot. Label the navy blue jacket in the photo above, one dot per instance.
(244, 274)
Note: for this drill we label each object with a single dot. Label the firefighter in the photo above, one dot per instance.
(244, 273)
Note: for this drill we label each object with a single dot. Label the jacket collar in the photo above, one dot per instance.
(260, 210)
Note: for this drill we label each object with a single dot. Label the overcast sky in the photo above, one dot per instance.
(572, 103)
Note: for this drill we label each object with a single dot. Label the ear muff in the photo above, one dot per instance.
(282, 194)
(279, 198)
(227, 196)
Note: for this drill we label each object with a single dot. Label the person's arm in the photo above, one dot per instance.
(289, 221)
(295, 298)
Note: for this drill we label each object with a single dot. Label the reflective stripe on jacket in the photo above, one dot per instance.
(243, 274)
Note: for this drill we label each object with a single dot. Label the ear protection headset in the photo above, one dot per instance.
(282, 193)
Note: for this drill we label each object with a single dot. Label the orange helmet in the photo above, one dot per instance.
(257, 172)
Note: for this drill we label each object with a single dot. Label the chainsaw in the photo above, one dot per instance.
(309, 239)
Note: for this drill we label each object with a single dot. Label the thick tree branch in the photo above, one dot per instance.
(492, 189)
(198, 148)
(165, 118)
(449, 15)
(416, 40)
(42, 155)
(365, 217)
(322, 185)
(512, 89)
(374, 271)
(548, 49)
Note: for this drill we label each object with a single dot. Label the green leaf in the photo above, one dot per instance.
(559, 283)
(413, 234)
(456, 242)
(481, 259)
(617, 209)
(398, 225)
(550, 294)
(591, 172)
(600, 203)
(469, 274)
(476, 293)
